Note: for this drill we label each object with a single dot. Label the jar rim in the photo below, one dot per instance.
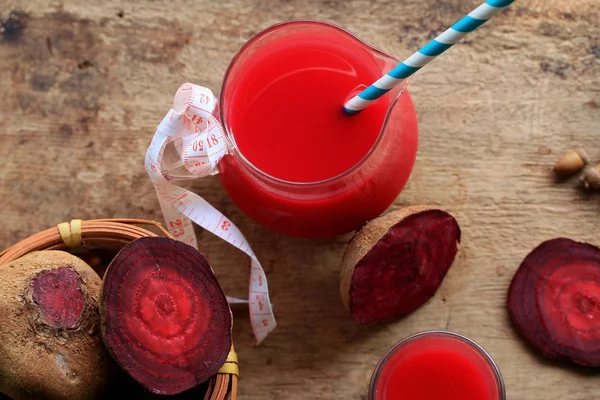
(420, 335)
(230, 136)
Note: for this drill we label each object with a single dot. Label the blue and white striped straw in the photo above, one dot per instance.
(437, 46)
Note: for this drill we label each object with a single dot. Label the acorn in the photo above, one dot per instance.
(571, 163)
(591, 177)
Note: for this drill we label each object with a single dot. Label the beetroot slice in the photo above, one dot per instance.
(554, 301)
(165, 318)
(402, 260)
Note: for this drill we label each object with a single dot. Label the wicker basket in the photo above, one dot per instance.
(113, 234)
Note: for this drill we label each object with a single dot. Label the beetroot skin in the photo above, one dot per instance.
(397, 262)
(165, 319)
(554, 301)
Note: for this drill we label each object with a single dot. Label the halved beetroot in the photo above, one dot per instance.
(165, 319)
(554, 300)
(397, 262)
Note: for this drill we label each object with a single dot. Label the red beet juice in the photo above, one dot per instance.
(301, 166)
(434, 366)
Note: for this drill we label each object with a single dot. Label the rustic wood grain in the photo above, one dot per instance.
(83, 85)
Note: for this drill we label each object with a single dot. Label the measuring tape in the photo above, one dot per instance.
(200, 143)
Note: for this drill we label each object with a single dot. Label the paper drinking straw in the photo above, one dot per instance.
(437, 46)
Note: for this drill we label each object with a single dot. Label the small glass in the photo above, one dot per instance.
(435, 350)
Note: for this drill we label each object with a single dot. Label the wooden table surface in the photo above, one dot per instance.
(84, 84)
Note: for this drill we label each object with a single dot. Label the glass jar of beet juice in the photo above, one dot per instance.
(297, 163)
(436, 365)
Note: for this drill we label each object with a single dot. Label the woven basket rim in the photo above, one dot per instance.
(123, 229)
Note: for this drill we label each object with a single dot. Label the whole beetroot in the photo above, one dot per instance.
(50, 341)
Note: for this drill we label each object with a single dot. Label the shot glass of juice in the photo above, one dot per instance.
(436, 365)
(297, 163)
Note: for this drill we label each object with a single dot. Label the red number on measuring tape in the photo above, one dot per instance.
(197, 119)
(225, 225)
(260, 300)
(265, 322)
(204, 98)
(260, 280)
(212, 141)
(198, 145)
(178, 232)
(175, 223)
